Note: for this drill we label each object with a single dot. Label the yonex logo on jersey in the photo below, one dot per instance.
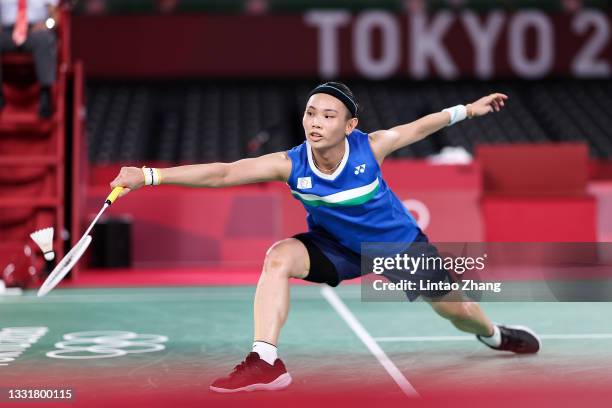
(304, 183)
(360, 169)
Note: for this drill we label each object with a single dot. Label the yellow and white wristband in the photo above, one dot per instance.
(458, 113)
(152, 176)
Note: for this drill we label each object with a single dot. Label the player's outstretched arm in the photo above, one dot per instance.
(385, 142)
(270, 167)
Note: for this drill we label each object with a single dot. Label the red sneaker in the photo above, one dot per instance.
(254, 374)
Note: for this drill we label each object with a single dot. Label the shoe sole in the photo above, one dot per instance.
(281, 382)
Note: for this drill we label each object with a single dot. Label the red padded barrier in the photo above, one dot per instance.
(537, 193)
(534, 169)
(540, 219)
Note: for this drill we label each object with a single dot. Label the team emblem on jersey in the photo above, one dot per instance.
(304, 183)
(360, 169)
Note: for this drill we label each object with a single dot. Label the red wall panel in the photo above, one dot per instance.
(535, 169)
(540, 219)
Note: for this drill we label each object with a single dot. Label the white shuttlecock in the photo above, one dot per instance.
(44, 239)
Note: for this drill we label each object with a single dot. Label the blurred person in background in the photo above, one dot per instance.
(28, 26)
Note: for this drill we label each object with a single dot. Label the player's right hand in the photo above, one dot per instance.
(130, 178)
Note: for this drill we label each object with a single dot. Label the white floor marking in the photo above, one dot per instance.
(65, 297)
(585, 336)
(370, 343)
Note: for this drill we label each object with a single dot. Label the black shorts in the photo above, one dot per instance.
(331, 263)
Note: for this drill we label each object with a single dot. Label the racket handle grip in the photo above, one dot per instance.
(113, 195)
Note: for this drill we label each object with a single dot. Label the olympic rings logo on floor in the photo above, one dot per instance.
(106, 344)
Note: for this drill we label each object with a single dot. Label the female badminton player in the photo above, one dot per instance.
(336, 175)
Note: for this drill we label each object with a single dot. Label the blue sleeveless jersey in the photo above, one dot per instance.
(354, 204)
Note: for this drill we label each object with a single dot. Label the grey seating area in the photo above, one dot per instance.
(183, 122)
(187, 122)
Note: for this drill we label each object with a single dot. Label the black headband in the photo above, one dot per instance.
(336, 93)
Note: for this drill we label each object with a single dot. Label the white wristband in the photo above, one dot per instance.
(152, 176)
(147, 176)
(457, 114)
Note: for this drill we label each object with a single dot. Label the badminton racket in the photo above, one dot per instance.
(72, 257)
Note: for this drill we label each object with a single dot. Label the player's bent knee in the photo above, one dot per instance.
(287, 258)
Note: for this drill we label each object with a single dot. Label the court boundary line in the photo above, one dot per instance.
(30, 298)
(349, 318)
(416, 339)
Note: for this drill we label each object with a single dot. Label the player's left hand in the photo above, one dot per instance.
(490, 103)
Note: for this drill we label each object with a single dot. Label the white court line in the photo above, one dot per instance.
(370, 343)
(30, 298)
(585, 336)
